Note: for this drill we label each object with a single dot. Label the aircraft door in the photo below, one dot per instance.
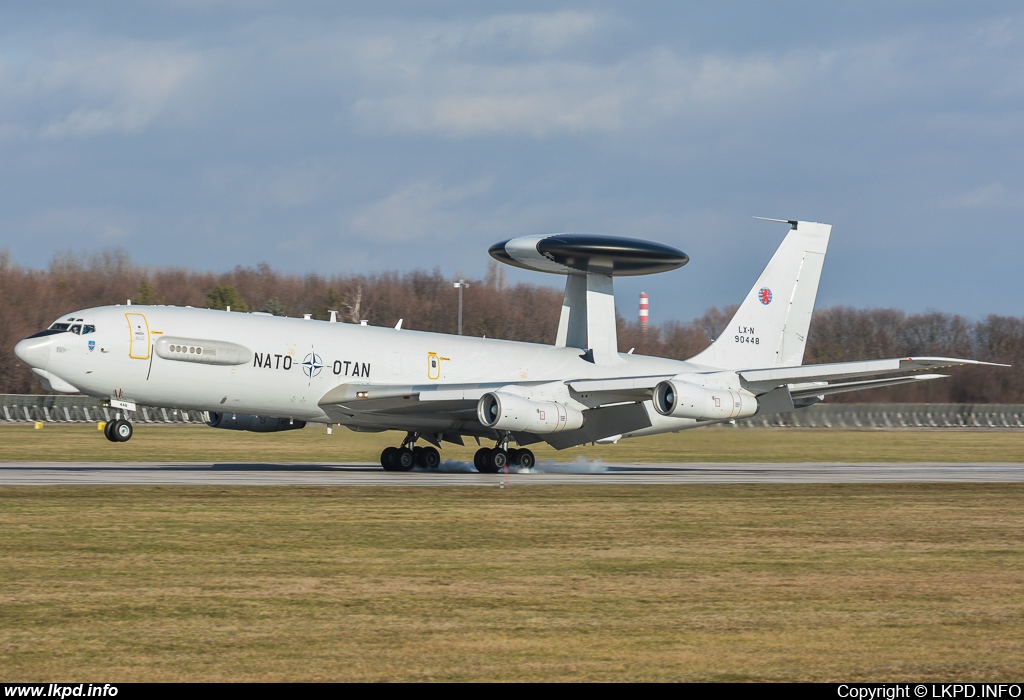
(138, 326)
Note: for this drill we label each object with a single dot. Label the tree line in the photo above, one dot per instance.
(31, 299)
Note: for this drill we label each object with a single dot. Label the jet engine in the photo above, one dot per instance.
(685, 400)
(254, 424)
(504, 411)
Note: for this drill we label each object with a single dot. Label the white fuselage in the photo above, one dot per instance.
(295, 362)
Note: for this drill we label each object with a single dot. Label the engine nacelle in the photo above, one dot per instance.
(686, 400)
(254, 424)
(510, 412)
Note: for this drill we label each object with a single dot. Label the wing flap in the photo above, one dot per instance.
(799, 391)
(602, 423)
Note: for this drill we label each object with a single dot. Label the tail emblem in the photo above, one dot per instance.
(764, 295)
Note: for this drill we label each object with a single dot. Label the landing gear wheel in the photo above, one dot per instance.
(122, 430)
(417, 454)
(430, 458)
(497, 459)
(385, 458)
(108, 431)
(402, 459)
(480, 460)
(525, 459)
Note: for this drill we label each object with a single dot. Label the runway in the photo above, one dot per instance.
(462, 474)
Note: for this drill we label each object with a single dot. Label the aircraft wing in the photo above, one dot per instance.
(615, 409)
(762, 380)
(802, 380)
(615, 404)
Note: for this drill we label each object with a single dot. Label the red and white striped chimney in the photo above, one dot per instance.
(643, 311)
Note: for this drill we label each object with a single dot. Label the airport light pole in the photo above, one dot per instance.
(460, 285)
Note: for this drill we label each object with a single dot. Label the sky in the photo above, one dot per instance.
(336, 137)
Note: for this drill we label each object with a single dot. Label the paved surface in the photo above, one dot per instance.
(462, 474)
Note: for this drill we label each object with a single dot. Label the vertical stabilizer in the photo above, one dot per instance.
(770, 327)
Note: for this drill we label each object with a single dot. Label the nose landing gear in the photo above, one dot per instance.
(118, 430)
(409, 455)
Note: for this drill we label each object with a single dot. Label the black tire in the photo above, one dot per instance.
(108, 431)
(480, 460)
(526, 460)
(513, 457)
(385, 458)
(402, 460)
(497, 460)
(122, 430)
(430, 458)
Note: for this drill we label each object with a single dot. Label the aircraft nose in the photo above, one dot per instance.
(34, 352)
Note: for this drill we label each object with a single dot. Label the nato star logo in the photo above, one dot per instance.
(312, 365)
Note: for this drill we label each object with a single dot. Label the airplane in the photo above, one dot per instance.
(264, 373)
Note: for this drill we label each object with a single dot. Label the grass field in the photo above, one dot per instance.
(204, 444)
(543, 583)
(786, 582)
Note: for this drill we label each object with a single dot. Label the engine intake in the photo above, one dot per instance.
(254, 424)
(686, 400)
(510, 412)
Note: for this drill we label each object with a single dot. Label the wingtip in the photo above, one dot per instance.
(791, 222)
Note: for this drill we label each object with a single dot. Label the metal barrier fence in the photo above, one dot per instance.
(52, 408)
(895, 416)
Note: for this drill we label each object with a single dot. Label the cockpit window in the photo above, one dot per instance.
(76, 329)
(60, 327)
(48, 331)
(88, 329)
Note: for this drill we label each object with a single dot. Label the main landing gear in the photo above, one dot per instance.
(491, 460)
(118, 430)
(409, 455)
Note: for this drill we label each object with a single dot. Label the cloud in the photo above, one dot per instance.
(534, 33)
(123, 90)
(993, 195)
(84, 225)
(553, 95)
(92, 88)
(421, 211)
(546, 75)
